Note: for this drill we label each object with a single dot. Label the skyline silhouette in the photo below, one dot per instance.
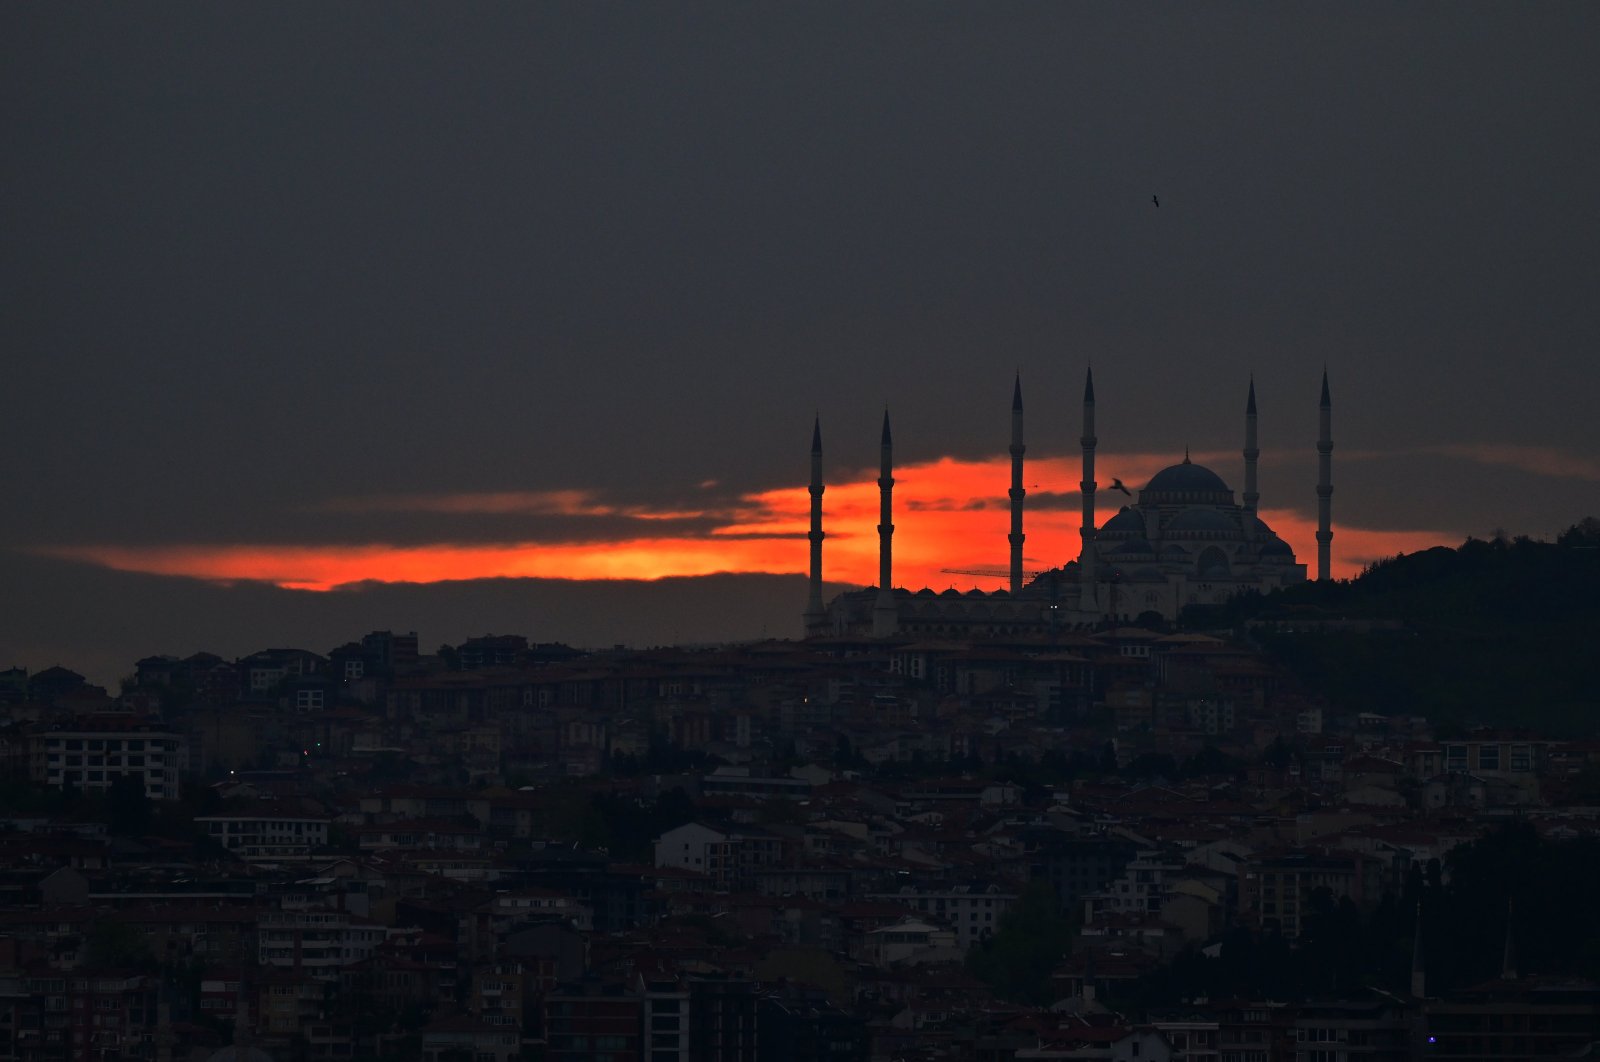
(413, 292)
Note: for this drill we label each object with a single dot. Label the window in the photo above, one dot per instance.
(1488, 757)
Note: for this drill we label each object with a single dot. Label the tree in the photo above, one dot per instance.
(1279, 754)
(1032, 938)
(780, 811)
(127, 806)
(112, 945)
(1585, 534)
(1152, 765)
(1209, 760)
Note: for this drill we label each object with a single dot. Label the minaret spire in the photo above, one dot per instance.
(1325, 484)
(884, 619)
(1088, 592)
(1017, 491)
(816, 616)
(1251, 495)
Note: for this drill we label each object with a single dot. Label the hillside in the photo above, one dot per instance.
(1500, 633)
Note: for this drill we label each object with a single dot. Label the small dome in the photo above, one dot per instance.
(1198, 519)
(1127, 521)
(1173, 551)
(1276, 546)
(1186, 477)
(1213, 564)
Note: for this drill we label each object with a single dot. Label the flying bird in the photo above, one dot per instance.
(1116, 484)
(1156, 200)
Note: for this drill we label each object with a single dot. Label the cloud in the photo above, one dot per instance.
(525, 503)
(1539, 460)
(1535, 460)
(950, 513)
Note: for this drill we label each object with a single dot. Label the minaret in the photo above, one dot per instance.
(1017, 491)
(816, 616)
(1088, 592)
(1251, 496)
(883, 612)
(1325, 484)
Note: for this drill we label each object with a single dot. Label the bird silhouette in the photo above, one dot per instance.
(1156, 200)
(1116, 484)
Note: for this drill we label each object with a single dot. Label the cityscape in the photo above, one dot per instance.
(836, 532)
(1174, 841)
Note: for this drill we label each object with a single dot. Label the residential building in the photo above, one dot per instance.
(93, 754)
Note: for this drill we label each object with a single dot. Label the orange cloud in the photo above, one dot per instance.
(313, 567)
(949, 513)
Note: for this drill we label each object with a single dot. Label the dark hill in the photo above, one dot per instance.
(1498, 633)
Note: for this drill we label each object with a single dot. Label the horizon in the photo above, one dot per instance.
(354, 296)
(113, 659)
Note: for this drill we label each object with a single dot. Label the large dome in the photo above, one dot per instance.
(1186, 476)
(1198, 519)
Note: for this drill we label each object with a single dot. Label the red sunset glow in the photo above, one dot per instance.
(949, 513)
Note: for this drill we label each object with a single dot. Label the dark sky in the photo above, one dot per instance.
(259, 258)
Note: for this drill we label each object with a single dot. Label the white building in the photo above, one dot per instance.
(728, 857)
(91, 758)
(313, 940)
(971, 911)
(266, 833)
(1146, 884)
(911, 942)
